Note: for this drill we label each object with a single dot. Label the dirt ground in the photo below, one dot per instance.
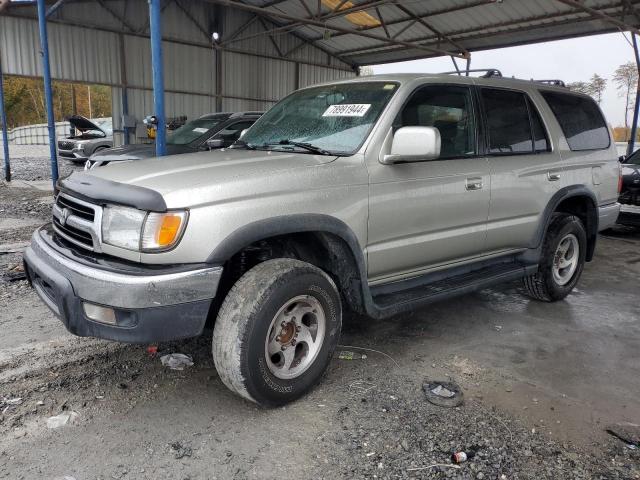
(541, 382)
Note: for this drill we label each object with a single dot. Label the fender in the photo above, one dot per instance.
(282, 225)
(592, 217)
(297, 223)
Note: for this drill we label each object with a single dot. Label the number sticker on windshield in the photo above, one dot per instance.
(347, 110)
(200, 130)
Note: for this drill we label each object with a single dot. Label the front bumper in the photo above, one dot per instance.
(629, 215)
(75, 155)
(151, 304)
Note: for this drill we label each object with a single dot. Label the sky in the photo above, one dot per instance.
(569, 60)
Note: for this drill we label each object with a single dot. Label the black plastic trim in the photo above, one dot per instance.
(100, 191)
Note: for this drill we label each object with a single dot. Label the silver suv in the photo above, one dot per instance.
(374, 195)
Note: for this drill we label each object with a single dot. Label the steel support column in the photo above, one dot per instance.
(5, 137)
(634, 123)
(48, 91)
(155, 27)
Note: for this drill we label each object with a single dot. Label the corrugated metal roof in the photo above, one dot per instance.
(438, 27)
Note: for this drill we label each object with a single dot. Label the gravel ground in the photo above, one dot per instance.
(368, 419)
(31, 162)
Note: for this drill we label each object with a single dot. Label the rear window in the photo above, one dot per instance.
(580, 119)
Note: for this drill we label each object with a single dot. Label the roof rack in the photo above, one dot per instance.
(489, 72)
(555, 82)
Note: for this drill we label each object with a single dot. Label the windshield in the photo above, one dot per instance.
(192, 130)
(332, 119)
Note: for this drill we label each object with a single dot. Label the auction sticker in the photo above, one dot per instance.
(347, 110)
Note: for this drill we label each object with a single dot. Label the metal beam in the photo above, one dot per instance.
(48, 91)
(382, 22)
(597, 13)
(5, 137)
(193, 20)
(430, 27)
(334, 14)
(483, 28)
(115, 15)
(273, 40)
(155, 27)
(54, 8)
(323, 24)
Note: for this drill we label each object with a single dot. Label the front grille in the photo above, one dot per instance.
(76, 208)
(75, 221)
(75, 233)
(65, 145)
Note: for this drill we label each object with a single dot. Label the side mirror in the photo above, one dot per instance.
(414, 144)
(214, 143)
(622, 158)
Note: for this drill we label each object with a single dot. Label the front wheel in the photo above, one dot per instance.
(563, 256)
(276, 331)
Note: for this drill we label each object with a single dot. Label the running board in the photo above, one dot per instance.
(388, 304)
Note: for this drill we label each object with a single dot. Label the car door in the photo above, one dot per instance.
(525, 170)
(427, 214)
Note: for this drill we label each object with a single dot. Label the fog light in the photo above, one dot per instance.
(99, 313)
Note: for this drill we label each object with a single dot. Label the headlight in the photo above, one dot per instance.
(142, 231)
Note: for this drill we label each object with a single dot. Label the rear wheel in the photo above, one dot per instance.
(562, 262)
(276, 331)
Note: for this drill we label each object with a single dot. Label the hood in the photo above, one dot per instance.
(136, 152)
(83, 124)
(204, 177)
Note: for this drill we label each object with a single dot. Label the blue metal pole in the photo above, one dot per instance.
(5, 137)
(155, 24)
(48, 92)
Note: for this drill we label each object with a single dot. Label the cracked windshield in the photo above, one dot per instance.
(333, 119)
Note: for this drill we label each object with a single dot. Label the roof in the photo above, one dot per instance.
(363, 32)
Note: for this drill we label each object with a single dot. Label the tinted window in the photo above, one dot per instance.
(450, 110)
(508, 122)
(580, 120)
(541, 142)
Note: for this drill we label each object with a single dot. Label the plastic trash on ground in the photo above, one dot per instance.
(61, 420)
(176, 361)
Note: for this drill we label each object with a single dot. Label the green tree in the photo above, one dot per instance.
(626, 78)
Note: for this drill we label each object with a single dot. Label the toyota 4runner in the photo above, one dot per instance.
(373, 195)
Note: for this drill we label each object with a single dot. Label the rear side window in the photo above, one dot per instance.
(580, 119)
(513, 123)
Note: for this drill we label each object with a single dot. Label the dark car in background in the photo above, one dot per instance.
(88, 137)
(630, 192)
(211, 131)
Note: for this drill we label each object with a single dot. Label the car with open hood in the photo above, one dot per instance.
(89, 137)
(208, 132)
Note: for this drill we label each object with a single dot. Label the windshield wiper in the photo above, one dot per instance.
(307, 146)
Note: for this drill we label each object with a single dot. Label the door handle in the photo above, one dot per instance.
(473, 184)
(553, 177)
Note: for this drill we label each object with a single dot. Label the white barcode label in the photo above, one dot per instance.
(347, 110)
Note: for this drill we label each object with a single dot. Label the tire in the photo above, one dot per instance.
(258, 317)
(552, 283)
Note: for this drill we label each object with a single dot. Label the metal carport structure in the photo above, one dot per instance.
(246, 54)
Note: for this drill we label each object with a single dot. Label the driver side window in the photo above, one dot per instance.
(450, 110)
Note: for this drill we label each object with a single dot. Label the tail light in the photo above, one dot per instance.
(619, 179)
